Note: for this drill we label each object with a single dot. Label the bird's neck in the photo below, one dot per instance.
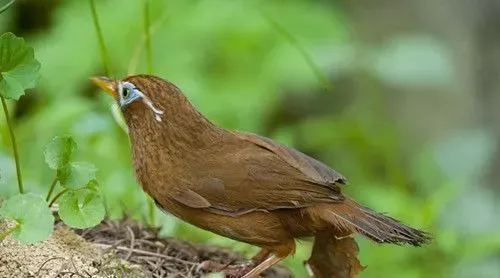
(163, 150)
(189, 132)
(178, 135)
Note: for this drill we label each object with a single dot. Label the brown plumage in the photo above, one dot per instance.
(238, 185)
(333, 256)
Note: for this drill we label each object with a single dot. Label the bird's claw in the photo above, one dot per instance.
(229, 271)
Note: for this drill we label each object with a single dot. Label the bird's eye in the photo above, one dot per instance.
(125, 92)
(128, 93)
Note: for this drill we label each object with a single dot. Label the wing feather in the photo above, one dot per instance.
(260, 175)
(310, 167)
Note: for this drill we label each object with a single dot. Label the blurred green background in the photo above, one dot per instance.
(411, 115)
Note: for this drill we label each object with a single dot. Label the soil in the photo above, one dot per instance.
(114, 249)
(63, 254)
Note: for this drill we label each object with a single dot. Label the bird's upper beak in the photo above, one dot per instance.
(109, 85)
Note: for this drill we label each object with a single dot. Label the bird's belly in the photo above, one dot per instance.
(263, 229)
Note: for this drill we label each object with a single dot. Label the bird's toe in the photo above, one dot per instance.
(229, 271)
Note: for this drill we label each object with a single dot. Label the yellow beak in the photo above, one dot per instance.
(110, 86)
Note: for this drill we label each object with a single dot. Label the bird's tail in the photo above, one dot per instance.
(333, 258)
(353, 217)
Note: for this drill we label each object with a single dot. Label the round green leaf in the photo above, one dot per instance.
(32, 213)
(76, 175)
(19, 70)
(58, 151)
(81, 209)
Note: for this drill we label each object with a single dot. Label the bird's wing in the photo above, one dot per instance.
(310, 167)
(260, 175)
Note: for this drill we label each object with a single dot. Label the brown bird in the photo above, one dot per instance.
(239, 185)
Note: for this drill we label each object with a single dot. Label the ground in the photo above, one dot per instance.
(113, 249)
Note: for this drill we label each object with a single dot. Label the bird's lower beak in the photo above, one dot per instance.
(107, 84)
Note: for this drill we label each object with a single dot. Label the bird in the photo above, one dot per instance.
(237, 184)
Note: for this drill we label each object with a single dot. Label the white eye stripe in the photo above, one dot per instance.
(135, 94)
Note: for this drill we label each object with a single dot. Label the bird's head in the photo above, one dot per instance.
(142, 96)
(149, 103)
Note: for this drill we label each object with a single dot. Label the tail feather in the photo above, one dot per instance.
(376, 226)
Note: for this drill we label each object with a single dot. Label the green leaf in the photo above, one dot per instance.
(19, 70)
(76, 175)
(93, 185)
(81, 209)
(58, 151)
(32, 213)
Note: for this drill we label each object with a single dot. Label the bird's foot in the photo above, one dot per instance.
(229, 271)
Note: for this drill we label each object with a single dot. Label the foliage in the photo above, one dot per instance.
(80, 205)
(34, 220)
(18, 68)
(81, 209)
(58, 152)
(76, 175)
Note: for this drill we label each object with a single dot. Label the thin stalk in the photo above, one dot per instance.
(151, 212)
(52, 187)
(149, 60)
(10, 231)
(58, 196)
(100, 38)
(134, 60)
(320, 75)
(6, 6)
(14, 146)
(147, 33)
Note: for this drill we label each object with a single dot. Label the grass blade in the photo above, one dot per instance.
(320, 75)
(100, 38)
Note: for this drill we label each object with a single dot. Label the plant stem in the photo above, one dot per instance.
(57, 196)
(303, 52)
(147, 33)
(6, 6)
(134, 60)
(100, 38)
(14, 146)
(52, 187)
(151, 211)
(149, 59)
(10, 231)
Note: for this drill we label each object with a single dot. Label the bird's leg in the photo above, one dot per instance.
(267, 263)
(261, 256)
(234, 270)
(227, 269)
(275, 257)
